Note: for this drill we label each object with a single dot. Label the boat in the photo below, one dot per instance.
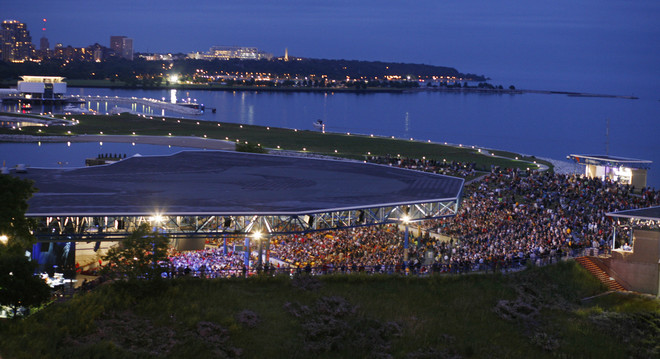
(75, 109)
(191, 104)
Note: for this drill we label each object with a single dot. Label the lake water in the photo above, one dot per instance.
(543, 125)
(73, 154)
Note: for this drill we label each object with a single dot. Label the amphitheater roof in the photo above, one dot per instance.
(193, 183)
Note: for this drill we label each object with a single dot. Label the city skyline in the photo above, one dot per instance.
(509, 41)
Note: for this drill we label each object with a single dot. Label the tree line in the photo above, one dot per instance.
(157, 72)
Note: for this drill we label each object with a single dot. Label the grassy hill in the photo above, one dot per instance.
(539, 313)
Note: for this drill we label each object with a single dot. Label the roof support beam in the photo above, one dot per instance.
(113, 228)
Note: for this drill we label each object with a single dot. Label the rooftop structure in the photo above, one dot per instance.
(206, 193)
(619, 169)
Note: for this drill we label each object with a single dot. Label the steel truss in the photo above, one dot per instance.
(113, 228)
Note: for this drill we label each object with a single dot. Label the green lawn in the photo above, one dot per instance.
(334, 144)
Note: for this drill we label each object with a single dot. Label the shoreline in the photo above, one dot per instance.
(373, 90)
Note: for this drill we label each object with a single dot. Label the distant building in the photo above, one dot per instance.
(42, 87)
(16, 42)
(127, 49)
(44, 45)
(122, 46)
(98, 54)
(159, 57)
(231, 52)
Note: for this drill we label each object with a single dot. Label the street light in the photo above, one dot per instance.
(4, 239)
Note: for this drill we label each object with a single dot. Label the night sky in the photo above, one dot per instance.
(510, 40)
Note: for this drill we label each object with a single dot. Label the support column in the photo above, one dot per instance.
(405, 249)
(260, 258)
(246, 260)
(224, 245)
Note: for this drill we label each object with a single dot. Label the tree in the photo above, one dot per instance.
(14, 193)
(138, 255)
(19, 287)
(18, 284)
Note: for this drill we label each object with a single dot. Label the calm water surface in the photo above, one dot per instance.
(538, 124)
(73, 154)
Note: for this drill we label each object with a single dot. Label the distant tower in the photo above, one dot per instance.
(116, 44)
(127, 48)
(122, 46)
(286, 54)
(44, 44)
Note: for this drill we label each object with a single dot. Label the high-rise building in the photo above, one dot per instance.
(122, 46)
(16, 41)
(127, 48)
(44, 44)
(116, 43)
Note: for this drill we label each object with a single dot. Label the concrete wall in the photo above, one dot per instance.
(31, 87)
(641, 266)
(638, 178)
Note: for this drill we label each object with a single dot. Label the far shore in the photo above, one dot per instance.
(505, 91)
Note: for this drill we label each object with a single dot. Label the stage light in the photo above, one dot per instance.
(156, 218)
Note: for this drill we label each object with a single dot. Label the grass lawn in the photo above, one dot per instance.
(343, 316)
(333, 144)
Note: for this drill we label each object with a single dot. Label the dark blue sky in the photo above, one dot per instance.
(511, 41)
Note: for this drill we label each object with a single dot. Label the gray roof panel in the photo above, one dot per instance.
(230, 183)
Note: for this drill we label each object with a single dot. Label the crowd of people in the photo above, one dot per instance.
(207, 263)
(451, 168)
(505, 219)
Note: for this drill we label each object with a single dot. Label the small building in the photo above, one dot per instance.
(619, 169)
(42, 87)
(635, 257)
(37, 90)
